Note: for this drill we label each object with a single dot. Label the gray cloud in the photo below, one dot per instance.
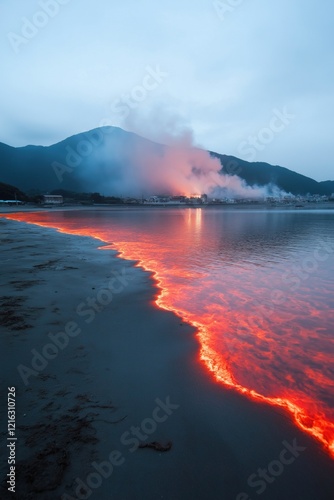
(226, 76)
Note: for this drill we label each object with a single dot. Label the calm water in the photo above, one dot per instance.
(259, 286)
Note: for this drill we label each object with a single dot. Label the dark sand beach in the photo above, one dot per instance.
(120, 407)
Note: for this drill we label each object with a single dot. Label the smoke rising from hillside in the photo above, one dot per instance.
(178, 167)
(181, 169)
(169, 162)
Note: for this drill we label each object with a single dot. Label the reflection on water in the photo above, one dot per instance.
(259, 286)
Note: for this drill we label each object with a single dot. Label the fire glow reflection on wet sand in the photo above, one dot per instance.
(280, 354)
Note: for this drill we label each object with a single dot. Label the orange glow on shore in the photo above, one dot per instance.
(237, 348)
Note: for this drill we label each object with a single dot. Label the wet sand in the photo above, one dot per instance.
(119, 406)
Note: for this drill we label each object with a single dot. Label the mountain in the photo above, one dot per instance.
(259, 173)
(79, 163)
(8, 192)
(84, 161)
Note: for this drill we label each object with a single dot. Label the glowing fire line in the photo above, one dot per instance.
(223, 375)
(207, 355)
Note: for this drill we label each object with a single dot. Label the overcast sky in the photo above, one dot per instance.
(251, 78)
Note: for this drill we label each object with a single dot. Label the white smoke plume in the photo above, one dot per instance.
(172, 164)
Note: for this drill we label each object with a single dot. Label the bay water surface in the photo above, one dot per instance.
(257, 284)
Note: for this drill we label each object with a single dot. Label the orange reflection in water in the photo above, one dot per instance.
(281, 355)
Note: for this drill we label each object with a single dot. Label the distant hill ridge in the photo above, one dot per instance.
(64, 165)
(8, 192)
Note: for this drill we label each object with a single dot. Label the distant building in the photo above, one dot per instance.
(53, 199)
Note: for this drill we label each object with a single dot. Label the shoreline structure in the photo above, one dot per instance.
(174, 384)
